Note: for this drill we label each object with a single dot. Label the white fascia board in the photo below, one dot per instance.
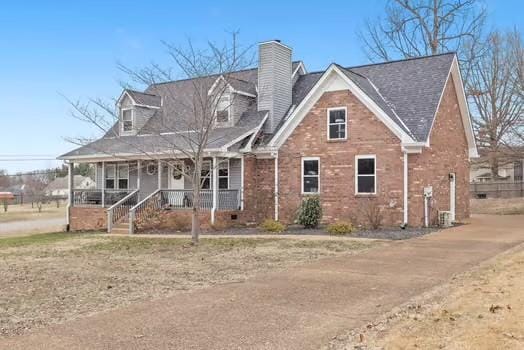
(317, 91)
(124, 93)
(300, 67)
(249, 145)
(454, 72)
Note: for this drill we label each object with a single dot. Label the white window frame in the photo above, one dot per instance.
(302, 176)
(345, 123)
(223, 177)
(226, 96)
(113, 173)
(132, 119)
(118, 178)
(210, 174)
(366, 156)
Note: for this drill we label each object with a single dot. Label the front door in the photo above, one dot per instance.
(175, 182)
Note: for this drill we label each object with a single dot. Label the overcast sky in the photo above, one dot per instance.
(72, 47)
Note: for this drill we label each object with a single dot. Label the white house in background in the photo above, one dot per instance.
(59, 186)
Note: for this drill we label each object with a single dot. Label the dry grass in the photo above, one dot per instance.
(480, 310)
(51, 278)
(25, 212)
(498, 206)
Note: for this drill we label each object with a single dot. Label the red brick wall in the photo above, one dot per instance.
(366, 135)
(180, 220)
(86, 219)
(448, 153)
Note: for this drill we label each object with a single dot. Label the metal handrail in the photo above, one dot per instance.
(111, 217)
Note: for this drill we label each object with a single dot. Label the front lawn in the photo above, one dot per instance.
(26, 212)
(51, 278)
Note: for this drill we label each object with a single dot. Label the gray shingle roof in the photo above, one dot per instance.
(142, 98)
(412, 88)
(408, 91)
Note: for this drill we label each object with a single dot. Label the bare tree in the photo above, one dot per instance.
(497, 98)
(413, 28)
(187, 130)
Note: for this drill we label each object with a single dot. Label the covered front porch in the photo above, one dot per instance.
(132, 190)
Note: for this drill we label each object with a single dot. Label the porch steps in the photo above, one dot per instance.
(121, 228)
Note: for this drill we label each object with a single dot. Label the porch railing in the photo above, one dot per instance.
(120, 209)
(181, 199)
(93, 197)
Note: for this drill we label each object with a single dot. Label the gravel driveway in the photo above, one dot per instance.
(17, 228)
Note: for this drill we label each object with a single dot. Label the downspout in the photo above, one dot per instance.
(242, 182)
(406, 188)
(276, 186)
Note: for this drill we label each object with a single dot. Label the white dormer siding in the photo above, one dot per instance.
(274, 81)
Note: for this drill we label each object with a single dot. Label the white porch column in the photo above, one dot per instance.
(159, 171)
(215, 189)
(242, 183)
(406, 188)
(138, 175)
(70, 184)
(104, 184)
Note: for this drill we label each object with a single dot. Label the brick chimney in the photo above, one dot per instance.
(274, 81)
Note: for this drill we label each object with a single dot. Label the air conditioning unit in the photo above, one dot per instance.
(444, 219)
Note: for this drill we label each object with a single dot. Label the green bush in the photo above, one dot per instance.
(310, 212)
(271, 225)
(340, 228)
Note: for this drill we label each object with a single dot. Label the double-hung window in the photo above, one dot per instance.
(127, 120)
(311, 175)
(110, 176)
(223, 108)
(337, 123)
(223, 175)
(366, 174)
(205, 175)
(123, 176)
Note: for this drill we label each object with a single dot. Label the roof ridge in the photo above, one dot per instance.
(212, 75)
(402, 60)
(143, 93)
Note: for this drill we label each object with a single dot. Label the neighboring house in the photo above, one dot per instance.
(509, 171)
(59, 186)
(377, 133)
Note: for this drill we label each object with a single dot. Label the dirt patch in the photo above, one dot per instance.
(49, 279)
(500, 206)
(482, 309)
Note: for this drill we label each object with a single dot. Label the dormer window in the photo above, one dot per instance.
(127, 120)
(223, 109)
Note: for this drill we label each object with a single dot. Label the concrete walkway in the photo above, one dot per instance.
(299, 308)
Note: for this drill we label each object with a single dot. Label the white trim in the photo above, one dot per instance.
(214, 186)
(406, 188)
(118, 178)
(125, 92)
(316, 92)
(138, 173)
(159, 174)
(366, 156)
(274, 42)
(302, 176)
(248, 147)
(276, 185)
(300, 65)
(127, 132)
(328, 111)
(232, 90)
(242, 182)
(454, 72)
(228, 173)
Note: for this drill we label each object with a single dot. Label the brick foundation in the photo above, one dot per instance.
(87, 219)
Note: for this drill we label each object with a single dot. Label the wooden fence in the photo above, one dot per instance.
(497, 189)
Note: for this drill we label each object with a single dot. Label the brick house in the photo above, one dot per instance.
(377, 135)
